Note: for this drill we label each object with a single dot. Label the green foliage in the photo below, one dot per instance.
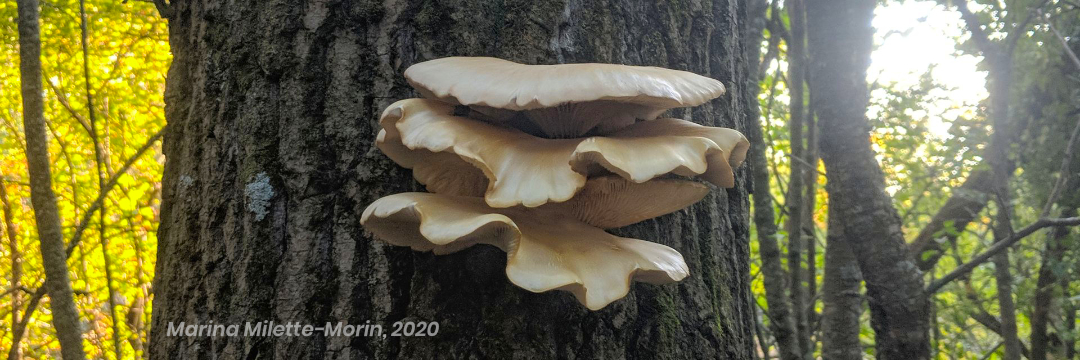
(924, 166)
(128, 53)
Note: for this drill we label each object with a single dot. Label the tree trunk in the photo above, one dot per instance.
(840, 39)
(841, 297)
(1044, 290)
(1070, 326)
(65, 316)
(15, 255)
(272, 109)
(1003, 277)
(796, 189)
(809, 227)
(779, 308)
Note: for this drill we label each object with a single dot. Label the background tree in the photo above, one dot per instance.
(840, 41)
(781, 320)
(57, 282)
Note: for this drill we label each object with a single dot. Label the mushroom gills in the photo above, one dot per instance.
(545, 250)
(461, 156)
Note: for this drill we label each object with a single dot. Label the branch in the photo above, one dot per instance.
(14, 131)
(85, 222)
(67, 105)
(975, 27)
(16, 289)
(1018, 31)
(1063, 174)
(999, 247)
(770, 55)
(1064, 44)
(18, 330)
(993, 351)
(810, 166)
(163, 8)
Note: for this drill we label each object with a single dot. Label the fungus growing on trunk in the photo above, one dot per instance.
(461, 156)
(546, 250)
(649, 149)
(566, 100)
(543, 159)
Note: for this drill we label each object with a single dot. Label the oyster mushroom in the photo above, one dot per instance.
(648, 149)
(512, 167)
(610, 202)
(461, 156)
(549, 247)
(566, 100)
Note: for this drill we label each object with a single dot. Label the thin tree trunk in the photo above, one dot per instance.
(1003, 277)
(781, 321)
(100, 162)
(1070, 325)
(64, 314)
(752, 47)
(840, 39)
(842, 298)
(1044, 290)
(759, 333)
(809, 227)
(796, 187)
(278, 101)
(16, 270)
(981, 316)
(83, 224)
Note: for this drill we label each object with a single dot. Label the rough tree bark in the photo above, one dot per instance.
(272, 109)
(779, 308)
(65, 316)
(840, 39)
(841, 297)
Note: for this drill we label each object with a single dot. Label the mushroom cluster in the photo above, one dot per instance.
(538, 160)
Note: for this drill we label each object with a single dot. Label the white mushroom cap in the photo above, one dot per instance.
(460, 156)
(565, 100)
(649, 149)
(545, 250)
(515, 167)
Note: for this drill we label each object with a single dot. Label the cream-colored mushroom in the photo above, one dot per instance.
(610, 201)
(515, 167)
(648, 149)
(546, 250)
(566, 100)
(460, 156)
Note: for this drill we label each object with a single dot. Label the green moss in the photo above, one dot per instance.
(670, 327)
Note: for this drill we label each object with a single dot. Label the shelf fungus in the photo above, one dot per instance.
(566, 100)
(546, 249)
(461, 156)
(538, 160)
